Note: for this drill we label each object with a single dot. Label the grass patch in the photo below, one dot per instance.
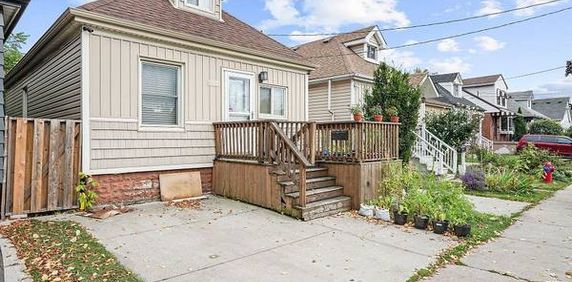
(63, 251)
(485, 227)
(540, 192)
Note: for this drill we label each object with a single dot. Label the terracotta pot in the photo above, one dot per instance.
(395, 119)
(358, 117)
(378, 118)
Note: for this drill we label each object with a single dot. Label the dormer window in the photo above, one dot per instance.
(205, 5)
(372, 52)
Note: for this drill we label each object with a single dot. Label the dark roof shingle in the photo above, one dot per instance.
(482, 80)
(442, 78)
(162, 14)
(554, 108)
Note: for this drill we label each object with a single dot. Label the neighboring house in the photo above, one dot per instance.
(431, 101)
(345, 67)
(523, 101)
(147, 79)
(12, 11)
(449, 89)
(490, 93)
(557, 109)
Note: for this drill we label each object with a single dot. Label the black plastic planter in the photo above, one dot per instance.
(421, 221)
(400, 218)
(462, 230)
(440, 227)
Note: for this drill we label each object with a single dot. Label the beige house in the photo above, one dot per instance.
(346, 64)
(148, 78)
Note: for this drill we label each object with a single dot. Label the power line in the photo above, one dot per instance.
(536, 73)
(452, 36)
(420, 25)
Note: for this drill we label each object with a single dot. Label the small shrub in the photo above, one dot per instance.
(474, 180)
(504, 180)
(545, 127)
(86, 195)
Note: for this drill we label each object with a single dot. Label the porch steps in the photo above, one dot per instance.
(323, 208)
(323, 196)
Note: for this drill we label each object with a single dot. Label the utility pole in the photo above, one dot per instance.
(568, 68)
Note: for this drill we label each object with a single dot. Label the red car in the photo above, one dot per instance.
(560, 145)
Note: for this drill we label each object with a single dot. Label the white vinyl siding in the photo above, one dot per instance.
(160, 94)
(340, 101)
(272, 101)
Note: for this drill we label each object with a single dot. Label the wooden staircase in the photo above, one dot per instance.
(323, 196)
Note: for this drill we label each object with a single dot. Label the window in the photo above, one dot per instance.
(205, 5)
(272, 101)
(371, 52)
(160, 94)
(507, 124)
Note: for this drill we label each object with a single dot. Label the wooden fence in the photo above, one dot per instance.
(43, 160)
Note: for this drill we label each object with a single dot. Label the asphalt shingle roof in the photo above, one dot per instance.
(442, 78)
(162, 14)
(447, 97)
(333, 58)
(554, 108)
(482, 80)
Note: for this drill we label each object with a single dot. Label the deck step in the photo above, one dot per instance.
(324, 208)
(313, 172)
(311, 183)
(318, 194)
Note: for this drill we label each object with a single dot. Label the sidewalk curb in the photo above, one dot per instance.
(13, 269)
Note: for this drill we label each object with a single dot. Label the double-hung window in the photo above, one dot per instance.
(371, 52)
(205, 5)
(160, 94)
(273, 101)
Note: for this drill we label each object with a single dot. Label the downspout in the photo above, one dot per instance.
(332, 115)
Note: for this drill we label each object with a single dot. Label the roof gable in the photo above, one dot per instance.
(448, 77)
(484, 80)
(554, 108)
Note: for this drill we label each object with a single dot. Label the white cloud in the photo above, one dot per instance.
(303, 39)
(488, 43)
(448, 45)
(531, 11)
(78, 2)
(401, 59)
(323, 15)
(454, 64)
(558, 88)
(490, 7)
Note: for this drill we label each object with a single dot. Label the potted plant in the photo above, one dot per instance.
(419, 202)
(393, 114)
(382, 209)
(357, 111)
(459, 219)
(440, 224)
(376, 111)
(400, 214)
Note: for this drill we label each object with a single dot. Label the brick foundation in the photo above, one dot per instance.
(131, 188)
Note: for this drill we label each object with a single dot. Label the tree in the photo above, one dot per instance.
(13, 50)
(545, 127)
(519, 125)
(456, 127)
(392, 89)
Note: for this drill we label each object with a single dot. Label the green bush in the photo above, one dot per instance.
(504, 180)
(457, 127)
(546, 127)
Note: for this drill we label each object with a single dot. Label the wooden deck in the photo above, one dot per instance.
(304, 169)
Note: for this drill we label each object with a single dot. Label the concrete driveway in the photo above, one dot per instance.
(231, 241)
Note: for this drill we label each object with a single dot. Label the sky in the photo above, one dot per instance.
(512, 51)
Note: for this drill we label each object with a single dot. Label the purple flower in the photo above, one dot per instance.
(474, 180)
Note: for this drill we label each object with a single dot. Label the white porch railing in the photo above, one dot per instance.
(450, 156)
(429, 155)
(484, 143)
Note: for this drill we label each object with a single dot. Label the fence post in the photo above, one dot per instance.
(360, 142)
(302, 186)
(312, 140)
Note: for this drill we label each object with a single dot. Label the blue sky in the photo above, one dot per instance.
(523, 48)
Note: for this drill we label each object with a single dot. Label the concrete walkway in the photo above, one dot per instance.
(537, 248)
(231, 241)
(497, 206)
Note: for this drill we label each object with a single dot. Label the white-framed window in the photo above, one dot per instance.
(272, 101)
(160, 94)
(371, 52)
(205, 5)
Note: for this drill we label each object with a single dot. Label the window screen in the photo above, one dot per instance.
(160, 94)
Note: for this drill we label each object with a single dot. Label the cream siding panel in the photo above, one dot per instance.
(360, 89)
(359, 49)
(54, 86)
(318, 102)
(116, 139)
(341, 100)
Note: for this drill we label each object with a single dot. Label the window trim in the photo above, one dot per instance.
(272, 87)
(180, 126)
(226, 73)
(198, 7)
(367, 46)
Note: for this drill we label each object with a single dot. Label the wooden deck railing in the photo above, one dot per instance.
(351, 142)
(294, 146)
